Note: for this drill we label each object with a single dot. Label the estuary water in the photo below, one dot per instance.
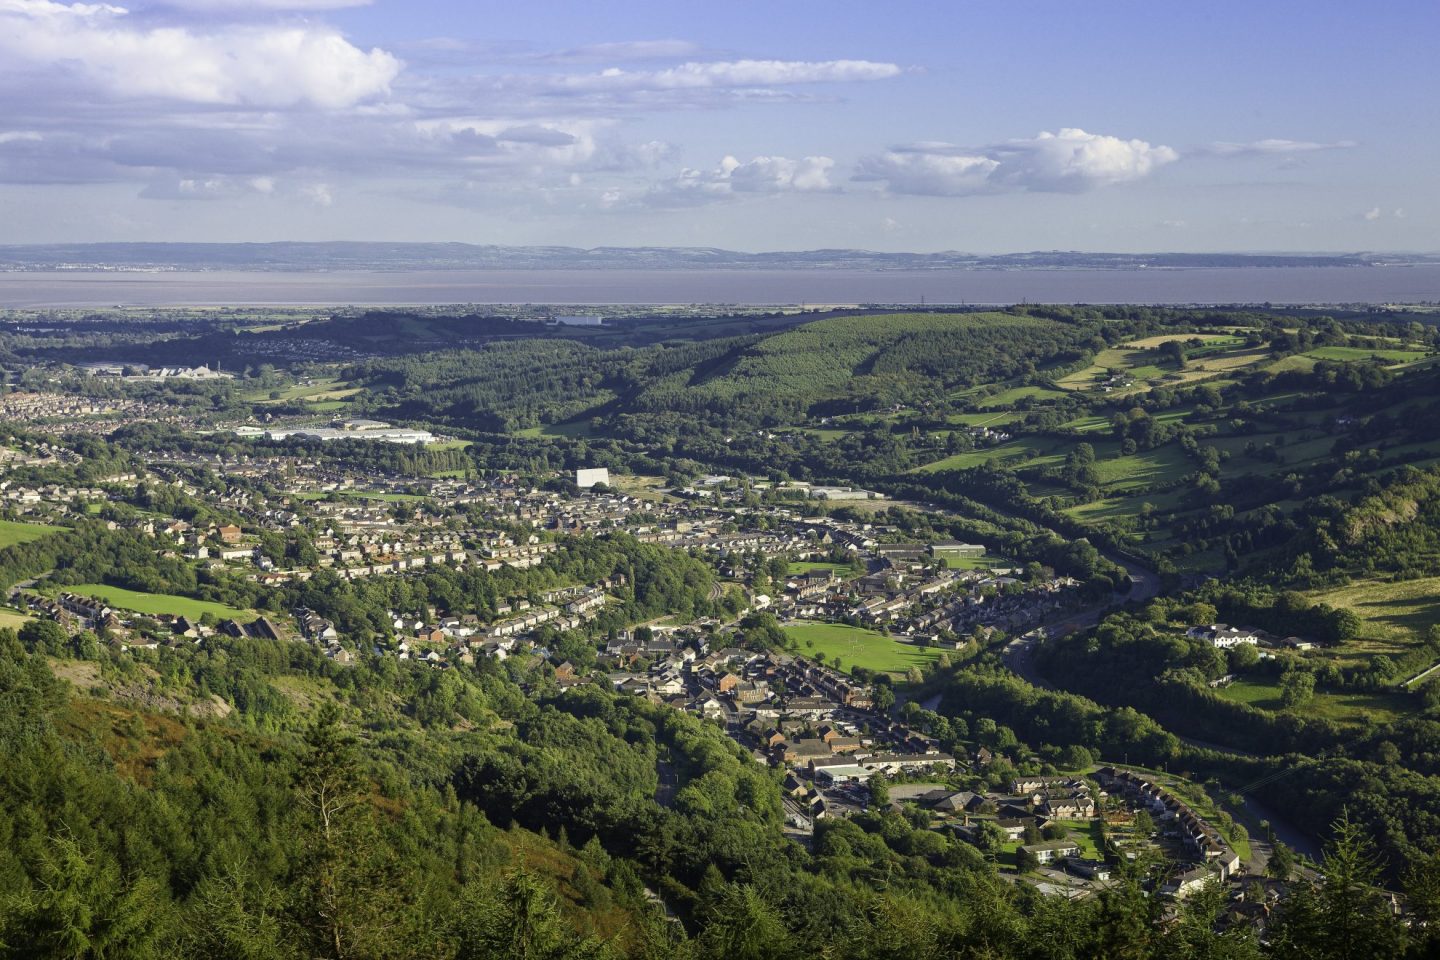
(1252, 285)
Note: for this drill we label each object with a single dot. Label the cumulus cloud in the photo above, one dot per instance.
(759, 175)
(1275, 147)
(1069, 161)
(279, 65)
(241, 100)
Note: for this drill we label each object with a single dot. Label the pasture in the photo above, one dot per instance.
(858, 647)
(155, 604)
(13, 532)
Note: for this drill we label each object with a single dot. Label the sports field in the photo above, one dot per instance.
(858, 647)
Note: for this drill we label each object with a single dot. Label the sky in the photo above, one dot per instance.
(919, 125)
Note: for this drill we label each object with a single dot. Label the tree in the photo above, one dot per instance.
(879, 793)
(1297, 688)
(989, 838)
(744, 925)
(81, 906)
(1281, 863)
(884, 699)
(344, 905)
(1143, 824)
(1025, 861)
(521, 920)
(1345, 915)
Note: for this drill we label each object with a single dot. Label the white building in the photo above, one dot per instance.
(589, 477)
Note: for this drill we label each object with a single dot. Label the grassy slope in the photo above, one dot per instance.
(158, 603)
(13, 532)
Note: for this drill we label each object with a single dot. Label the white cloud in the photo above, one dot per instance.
(778, 174)
(759, 175)
(280, 65)
(1275, 147)
(627, 51)
(318, 194)
(1070, 161)
(20, 136)
(726, 73)
(928, 174)
(252, 5)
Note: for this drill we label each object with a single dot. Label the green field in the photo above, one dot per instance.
(13, 532)
(322, 394)
(858, 647)
(158, 603)
(1395, 614)
(1161, 465)
(1349, 354)
(1008, 398)
(805, 566)
(573, 429)
(1340, 707)
(1015, 449)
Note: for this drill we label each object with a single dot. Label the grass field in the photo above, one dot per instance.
(985, 419)
(1016, 449)
(158, 603)
(1346, 354)
(574, 430)
(1161, 465)
(1008, 398)
(1393, 613)
(329, 392)
(857, 647)
(13, 532)
(1340, 707)
(805, 566)
(13, 619)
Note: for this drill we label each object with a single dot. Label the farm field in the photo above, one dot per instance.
(329, 391)
(1015, 449)
(1008, 398)
(1394, 614)
(1346, 354)
(573, 429)
(858, 647)
(1161, 465)
(984, 419)
(1340, 707)
(13, 532)
(158, 603)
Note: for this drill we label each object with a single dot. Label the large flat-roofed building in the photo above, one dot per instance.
(587, 478)
(580, 320)
(387, 435)
(956, 549)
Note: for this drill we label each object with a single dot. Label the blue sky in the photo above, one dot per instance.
(780, 125)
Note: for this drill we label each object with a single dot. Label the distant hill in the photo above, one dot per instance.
(455, 256)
